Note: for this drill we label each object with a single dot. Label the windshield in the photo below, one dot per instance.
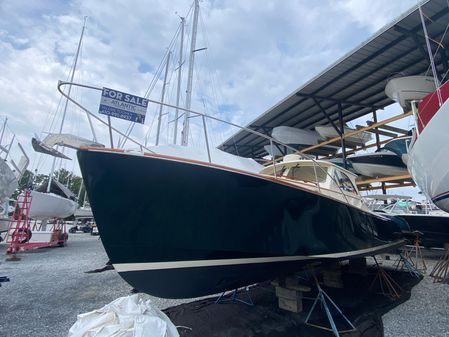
(307, 173)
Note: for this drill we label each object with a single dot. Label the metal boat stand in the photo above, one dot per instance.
(323, 299)
(388, 286)
(440, 272)
(414, 254)
(404, 262)
(232, 297)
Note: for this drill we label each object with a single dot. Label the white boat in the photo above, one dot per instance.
(296, 138)
(50, 205)
(420, 216)
(399, 146)
(428, 155)
(8, 181)
(290, 135)
(409, 88)
(382, 163)
(5, 210)
(330, 132)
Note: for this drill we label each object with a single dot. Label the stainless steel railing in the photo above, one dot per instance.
(270, 139)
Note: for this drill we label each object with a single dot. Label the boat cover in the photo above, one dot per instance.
(129, 316)
(56, 188)
(8, 181)
(61, 139)
(217, 157)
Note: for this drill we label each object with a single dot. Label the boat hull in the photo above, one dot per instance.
(179, 229)
(330, 132)
(378, 165)
(49, 205)
(428, 161)
(8, 181)
(435, 229)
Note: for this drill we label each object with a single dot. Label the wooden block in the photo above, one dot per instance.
(332, 278)
(287, 293)
(293, 283)
(290, 305)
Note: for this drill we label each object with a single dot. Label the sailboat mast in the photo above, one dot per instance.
(4, 127)
(161, 107)
(67, 100)
(185, 131)
(178, 89)
(432, 63)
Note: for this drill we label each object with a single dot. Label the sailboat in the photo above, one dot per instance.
(428, 161)
(55, 200)
(10, 174)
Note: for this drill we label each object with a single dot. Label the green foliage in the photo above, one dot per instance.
(73, 182)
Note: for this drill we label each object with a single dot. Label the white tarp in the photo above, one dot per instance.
(217, 157)
(129, 316)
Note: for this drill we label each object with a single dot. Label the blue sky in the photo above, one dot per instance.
(257, 53)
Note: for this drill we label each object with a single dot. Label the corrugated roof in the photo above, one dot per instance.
(357, 80)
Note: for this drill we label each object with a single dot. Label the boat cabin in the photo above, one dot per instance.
(318, 175)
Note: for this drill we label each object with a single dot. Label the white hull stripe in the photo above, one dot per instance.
(126, 267)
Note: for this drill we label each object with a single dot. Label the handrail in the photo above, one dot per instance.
(271, 139)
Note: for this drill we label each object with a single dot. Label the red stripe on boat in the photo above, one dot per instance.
(429, 105)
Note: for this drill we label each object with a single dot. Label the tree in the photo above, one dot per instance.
(68, 179)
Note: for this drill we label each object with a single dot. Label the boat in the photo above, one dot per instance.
(399, 146)
(8, 181)
(421, 217)
(340, 162)
(382, 163)
(296, 138)
(329, 132)
(428, 160)
(405, 89)
(10, 174)
(197, 227)
(58, 202)
(5, 211)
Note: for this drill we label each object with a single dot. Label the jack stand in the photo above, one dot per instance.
(234, 299)
(414, 254)
(404, 263)
(322, 298)
(388, 286)
(440, 271)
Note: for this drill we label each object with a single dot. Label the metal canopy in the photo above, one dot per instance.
(356, 81)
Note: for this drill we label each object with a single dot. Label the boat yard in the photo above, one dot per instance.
(272, 232)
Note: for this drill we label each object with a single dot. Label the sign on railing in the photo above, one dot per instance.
(119, 104)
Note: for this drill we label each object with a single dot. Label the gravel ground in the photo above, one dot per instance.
(49, 288)
(426, 314)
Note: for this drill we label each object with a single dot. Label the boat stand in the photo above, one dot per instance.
(388, 286)
(404, 263)
(440, 272)
(20, 236)
(322, 298)
(233, 298)
(414, 254)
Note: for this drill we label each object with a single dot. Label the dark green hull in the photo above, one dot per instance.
(181, 229)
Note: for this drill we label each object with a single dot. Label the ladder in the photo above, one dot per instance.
(19, 231)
